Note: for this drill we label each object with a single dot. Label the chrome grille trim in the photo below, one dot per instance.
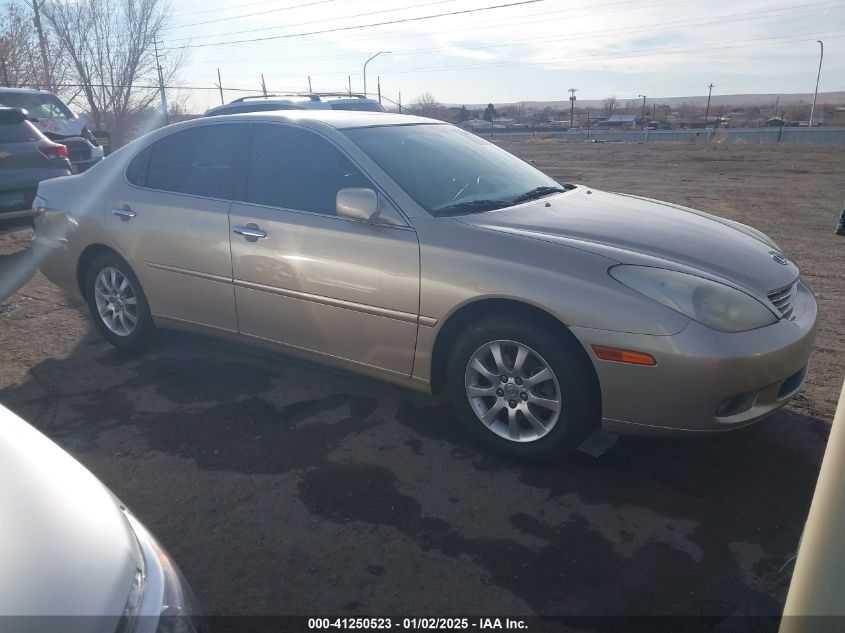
(784, 299)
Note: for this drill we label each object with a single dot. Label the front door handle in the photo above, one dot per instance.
(249, 231)
(124, 213)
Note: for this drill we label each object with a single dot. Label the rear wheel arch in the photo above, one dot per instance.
(472, 312)
(87, 257)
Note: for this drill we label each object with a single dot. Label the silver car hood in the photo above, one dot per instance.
(630, 229)
(67, 548)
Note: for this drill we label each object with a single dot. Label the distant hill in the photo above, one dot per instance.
(740, 100)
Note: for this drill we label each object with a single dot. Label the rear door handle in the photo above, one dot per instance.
(124, 213)
(249, 231)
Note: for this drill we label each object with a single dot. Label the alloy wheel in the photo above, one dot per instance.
(513, 391)
(117, 302)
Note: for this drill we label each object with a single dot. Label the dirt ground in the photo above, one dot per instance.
(283, 488)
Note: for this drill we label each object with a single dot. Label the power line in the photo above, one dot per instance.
(361, 26)
(613, 55)
(229, 8)
(340, 17)
(759, 14)
(249, 15)
(644, 53)
(688, 22)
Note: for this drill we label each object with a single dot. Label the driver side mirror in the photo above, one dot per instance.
(357, 203)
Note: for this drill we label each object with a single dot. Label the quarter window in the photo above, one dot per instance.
(136, 173)
(292, 168)
(198, 161)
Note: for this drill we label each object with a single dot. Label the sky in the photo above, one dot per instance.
(469, 52)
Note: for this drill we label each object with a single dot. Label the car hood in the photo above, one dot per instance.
(634, 230)
(67, 546)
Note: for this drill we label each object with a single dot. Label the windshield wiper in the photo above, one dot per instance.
(538, 192)
(472, 206)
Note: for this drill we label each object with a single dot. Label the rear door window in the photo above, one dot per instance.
(199, 161)
(23, 132)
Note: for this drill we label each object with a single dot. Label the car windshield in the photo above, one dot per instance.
(42, 105)
(448, 171)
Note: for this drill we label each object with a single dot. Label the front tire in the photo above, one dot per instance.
(117, 303)
(520, 390)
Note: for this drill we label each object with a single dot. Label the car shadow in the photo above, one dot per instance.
(709, 525)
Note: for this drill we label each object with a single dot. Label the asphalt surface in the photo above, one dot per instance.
(282, 488)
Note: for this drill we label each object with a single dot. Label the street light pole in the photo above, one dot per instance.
(365, 67)
(642, 114)
(816, 93)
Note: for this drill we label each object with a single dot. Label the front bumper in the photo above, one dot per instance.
(748, 374)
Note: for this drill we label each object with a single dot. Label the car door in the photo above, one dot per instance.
(170, 220)
(308, 278)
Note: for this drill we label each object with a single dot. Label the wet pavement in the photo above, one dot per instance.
(285, 488)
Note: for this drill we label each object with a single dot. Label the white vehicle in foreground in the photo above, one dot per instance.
(73, 557)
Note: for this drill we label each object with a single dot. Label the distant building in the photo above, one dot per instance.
(619, 122)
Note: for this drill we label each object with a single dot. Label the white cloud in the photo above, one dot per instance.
(656, 43)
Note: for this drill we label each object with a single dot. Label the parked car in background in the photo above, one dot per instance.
(408, 249)
(74, 558)
(303, 101)
(26, 158)
(58, 123)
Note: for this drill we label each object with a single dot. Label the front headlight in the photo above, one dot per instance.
(160, 600)
(715, 305)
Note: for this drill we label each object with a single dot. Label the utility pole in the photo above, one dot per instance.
(42, 43)
(263, 85)
(400, 102)
(309, 84)
(220, 86)
(707, 111)
(5, 72)
(161, 85)
(642, 113)
(349, 78)
(572, 92)
(816, 93)
(378, 81)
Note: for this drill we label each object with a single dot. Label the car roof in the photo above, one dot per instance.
(269, 99)
(339, 119)
(305, 101)
(296, 103)
(29, 91)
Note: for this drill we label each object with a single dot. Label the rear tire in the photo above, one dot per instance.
(521, 390)
(117, 303)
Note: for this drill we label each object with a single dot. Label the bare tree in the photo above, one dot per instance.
(18, 48)
(609, 105)
(687, 113)
(22, 59)
(111, 48)
(426, 105)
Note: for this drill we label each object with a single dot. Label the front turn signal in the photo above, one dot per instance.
(623, 355)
